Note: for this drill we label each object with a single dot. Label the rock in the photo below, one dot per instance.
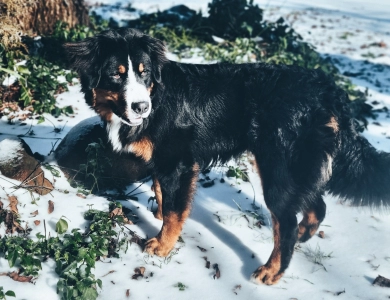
(382, 281)
(17, 162)
(115, 169)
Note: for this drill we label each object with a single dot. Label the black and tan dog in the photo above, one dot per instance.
(182, 118)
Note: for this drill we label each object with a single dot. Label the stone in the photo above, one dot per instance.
(18, 162)
(116, 170)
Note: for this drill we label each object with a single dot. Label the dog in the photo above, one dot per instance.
(182, 118)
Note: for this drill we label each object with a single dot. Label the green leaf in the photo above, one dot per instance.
(61, 226)
(10, 294)
(99, 282)
(12, 256)
(23, 70)
(41, 120)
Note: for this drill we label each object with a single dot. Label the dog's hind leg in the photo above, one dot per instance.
(177, 189)
(158, 194)
(312, 218)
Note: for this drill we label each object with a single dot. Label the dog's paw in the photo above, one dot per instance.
(155, 247)
(266, 275)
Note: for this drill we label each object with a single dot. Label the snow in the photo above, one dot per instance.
(9, 150)
(357, 239)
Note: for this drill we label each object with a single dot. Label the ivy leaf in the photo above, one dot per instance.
(10, 294)
(41, 120)
(61, 226)
(12, 256)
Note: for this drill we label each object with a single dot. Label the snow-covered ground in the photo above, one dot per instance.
(356, 35)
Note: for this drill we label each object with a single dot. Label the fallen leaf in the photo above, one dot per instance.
(112, 271)
(16, 277)
(142, 270)
(217, 271)
(12, 223)
(139, 272)
(34, 213)
(128, 293)
(117, 211)
(13, 202)
(37, 222)
(51, 207)
(207, 262)
(202, 249)
(81, 195)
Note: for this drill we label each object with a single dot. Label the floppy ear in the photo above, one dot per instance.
(156, 49)
(83, 57)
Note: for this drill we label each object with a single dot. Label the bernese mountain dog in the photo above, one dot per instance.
(182, 118)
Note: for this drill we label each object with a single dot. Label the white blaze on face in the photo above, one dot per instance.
(135, 92)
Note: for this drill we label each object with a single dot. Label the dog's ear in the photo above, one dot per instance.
(83, 57)
(156, 50)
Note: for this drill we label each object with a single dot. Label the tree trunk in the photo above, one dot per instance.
(39, 16)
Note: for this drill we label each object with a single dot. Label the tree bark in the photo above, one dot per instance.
(40, 16)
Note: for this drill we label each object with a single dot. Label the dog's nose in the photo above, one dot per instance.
(140, 107)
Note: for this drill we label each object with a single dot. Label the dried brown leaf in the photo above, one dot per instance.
(128, 293)
(81, 195)
(217, 271)
(12, 223)
(112, 271)
(51, 207)
(34, 213)
(138, 272)
(37, 222)
(142, 270)
(15, 276)
(13, 202)
(207, 262)
(117, 211)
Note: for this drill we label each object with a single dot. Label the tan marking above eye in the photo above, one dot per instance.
(141, 67)
(122, 69)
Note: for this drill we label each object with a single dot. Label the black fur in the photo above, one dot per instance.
(295, 121)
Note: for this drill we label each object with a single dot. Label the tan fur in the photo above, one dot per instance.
(270, 271)
(101, 99)
(173, 223)
(333, 124)
(157, 191)
(122, 69)
(143, 148)
(150, 89)
(164, 242)
(309, 220)
(141, 67)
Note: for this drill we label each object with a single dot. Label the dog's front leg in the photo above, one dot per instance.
(177, 190)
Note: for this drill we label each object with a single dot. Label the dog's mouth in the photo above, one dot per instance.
(134, 121)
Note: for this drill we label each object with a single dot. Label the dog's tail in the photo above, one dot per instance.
(361, 174)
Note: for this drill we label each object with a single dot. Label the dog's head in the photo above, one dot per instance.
(119, 70)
